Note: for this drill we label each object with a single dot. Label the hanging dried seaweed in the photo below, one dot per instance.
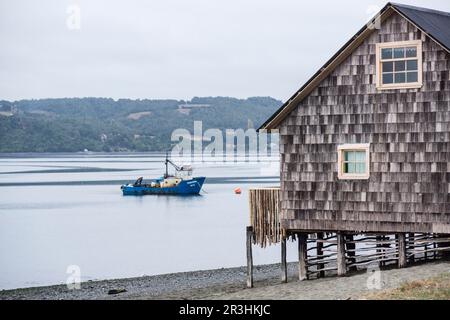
(265, 215)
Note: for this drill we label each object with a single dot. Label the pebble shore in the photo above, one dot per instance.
(229, 283)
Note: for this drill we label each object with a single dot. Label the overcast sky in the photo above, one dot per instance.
(172, 48)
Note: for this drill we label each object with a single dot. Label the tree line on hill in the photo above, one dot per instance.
(108, 125)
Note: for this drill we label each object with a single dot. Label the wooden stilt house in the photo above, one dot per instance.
(365, 150)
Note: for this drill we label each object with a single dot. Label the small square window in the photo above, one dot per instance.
(353, 161)
(399, 64)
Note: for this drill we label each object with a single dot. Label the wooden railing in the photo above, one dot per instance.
(265, 215)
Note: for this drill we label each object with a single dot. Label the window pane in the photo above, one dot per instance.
(351, 155)
(399, 53)
(411, 76)
(360, 156)
(411, 65)
(346, 167)
(411, 52)
(388, 66)
(345, 155)
(399, 65)
(400, 77)
(388, 78)
(386, 53)
(350, 167)
(360, 167)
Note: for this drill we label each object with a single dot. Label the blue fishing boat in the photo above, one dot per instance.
(182, 183)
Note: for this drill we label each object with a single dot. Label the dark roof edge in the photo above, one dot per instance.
(407, 6)
(389, 5)
(398, 9)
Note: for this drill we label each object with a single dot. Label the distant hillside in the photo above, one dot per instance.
(100, 124)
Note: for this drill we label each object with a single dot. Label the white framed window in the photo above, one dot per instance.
(354, 161)
(399, 65)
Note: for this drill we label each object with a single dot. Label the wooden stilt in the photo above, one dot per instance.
(351, 251)
(319, 249)
(386, 247)
(411, 246)
(341, 263)
(401, 250)
(379, 248)
(302, 239)
(434, 247)
(283, 260)
(249, 257)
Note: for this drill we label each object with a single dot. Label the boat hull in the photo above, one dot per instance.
(185, 187)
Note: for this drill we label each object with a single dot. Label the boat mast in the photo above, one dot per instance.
(167, 165)
(177, 168)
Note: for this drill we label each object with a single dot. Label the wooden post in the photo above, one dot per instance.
(283, 260)
(379, 249)
(319, 249)
(434, 247)
(341, 263)
(302, 239)
(386, 246)
(411, 246)
(401, 250)
(249, 257)
(351, 251)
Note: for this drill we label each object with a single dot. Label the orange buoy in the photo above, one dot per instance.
(237, 190)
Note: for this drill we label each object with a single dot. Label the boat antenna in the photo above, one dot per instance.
(167, 165)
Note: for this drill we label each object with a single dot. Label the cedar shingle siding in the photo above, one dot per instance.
(409, 135)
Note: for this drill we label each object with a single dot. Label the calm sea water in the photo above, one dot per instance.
(59, 211)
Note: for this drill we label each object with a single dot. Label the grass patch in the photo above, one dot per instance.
(436, 288)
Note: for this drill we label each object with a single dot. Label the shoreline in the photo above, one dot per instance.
(230, 283)
(153, 286)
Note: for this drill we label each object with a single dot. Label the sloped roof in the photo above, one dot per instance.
(436, 24)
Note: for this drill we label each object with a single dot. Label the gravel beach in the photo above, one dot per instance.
(230, 284)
